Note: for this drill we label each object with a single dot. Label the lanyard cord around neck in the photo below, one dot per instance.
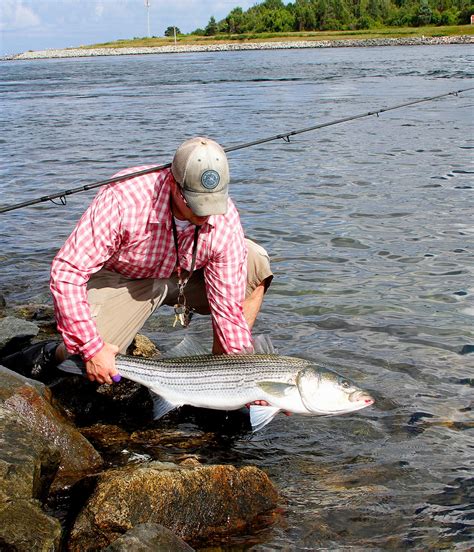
(182, 283)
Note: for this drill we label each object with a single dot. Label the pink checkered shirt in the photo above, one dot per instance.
(127, 229)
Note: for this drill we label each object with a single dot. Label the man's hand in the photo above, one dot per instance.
(265, 403)
(101, 367)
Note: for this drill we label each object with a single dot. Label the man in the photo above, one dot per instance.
(169, 237)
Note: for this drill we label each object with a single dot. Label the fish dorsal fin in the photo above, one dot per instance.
(276, 388)
(161, 406)
(189, 346)
(260, 416)
(262, 345)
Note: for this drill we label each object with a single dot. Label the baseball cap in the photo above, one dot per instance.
(200, 167)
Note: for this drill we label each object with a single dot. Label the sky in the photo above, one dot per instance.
(41, 24)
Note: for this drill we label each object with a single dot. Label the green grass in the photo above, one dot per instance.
(382, 32)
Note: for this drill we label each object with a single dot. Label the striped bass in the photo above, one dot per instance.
(229, 382)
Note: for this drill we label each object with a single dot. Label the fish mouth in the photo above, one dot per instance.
(361, 397)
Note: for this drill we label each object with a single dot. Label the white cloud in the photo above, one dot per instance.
(15, 15)
(99, 10)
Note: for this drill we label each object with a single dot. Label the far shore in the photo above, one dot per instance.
(237, 46)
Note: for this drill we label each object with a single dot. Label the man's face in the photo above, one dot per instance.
(181, 209)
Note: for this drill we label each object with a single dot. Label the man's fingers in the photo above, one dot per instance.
(258, 403)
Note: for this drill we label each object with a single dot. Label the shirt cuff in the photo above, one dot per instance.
(92, 348)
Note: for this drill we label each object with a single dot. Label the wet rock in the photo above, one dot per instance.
(189, 460)
(28, 464)
(106, 437)
(172, 437)
(149, 537)
(31, 402)
(142, 346)
(24, 527)
(15, 333)
(196, 503)
(43, 313)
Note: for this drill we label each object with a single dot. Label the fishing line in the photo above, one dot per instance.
(62, 196)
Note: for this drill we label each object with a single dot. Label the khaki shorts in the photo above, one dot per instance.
(120, 305)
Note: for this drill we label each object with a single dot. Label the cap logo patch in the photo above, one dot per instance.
(210, 179)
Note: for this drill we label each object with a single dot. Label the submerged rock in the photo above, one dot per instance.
(106, 437)
(149, 537)
(198, 503)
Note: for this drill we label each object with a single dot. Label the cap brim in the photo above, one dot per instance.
(207, 204)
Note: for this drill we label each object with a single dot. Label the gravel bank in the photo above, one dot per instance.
(92, 52)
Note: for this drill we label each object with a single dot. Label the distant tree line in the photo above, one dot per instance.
(325, 15)
(171, 31)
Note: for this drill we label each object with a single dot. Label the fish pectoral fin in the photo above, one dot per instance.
(260, 416)
(276, 388)
(161, 406)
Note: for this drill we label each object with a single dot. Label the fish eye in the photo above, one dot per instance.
(345, 384)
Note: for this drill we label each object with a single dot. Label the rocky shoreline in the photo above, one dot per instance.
(225, 47)
(83, 467)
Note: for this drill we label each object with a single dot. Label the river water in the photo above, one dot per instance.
(370, 228)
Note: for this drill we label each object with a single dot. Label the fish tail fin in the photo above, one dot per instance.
(73, 365)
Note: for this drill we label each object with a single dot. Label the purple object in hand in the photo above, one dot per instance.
(116, 378)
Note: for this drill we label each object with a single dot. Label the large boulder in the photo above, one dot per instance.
(28, 464)
(197, 503)
(30, 400)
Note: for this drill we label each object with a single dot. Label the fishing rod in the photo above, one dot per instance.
(283, 136)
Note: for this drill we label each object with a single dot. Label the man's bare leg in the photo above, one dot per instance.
(61, 353)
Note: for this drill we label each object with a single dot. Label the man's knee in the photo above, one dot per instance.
(259, 271)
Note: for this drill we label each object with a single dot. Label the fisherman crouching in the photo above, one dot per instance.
(170, 237)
